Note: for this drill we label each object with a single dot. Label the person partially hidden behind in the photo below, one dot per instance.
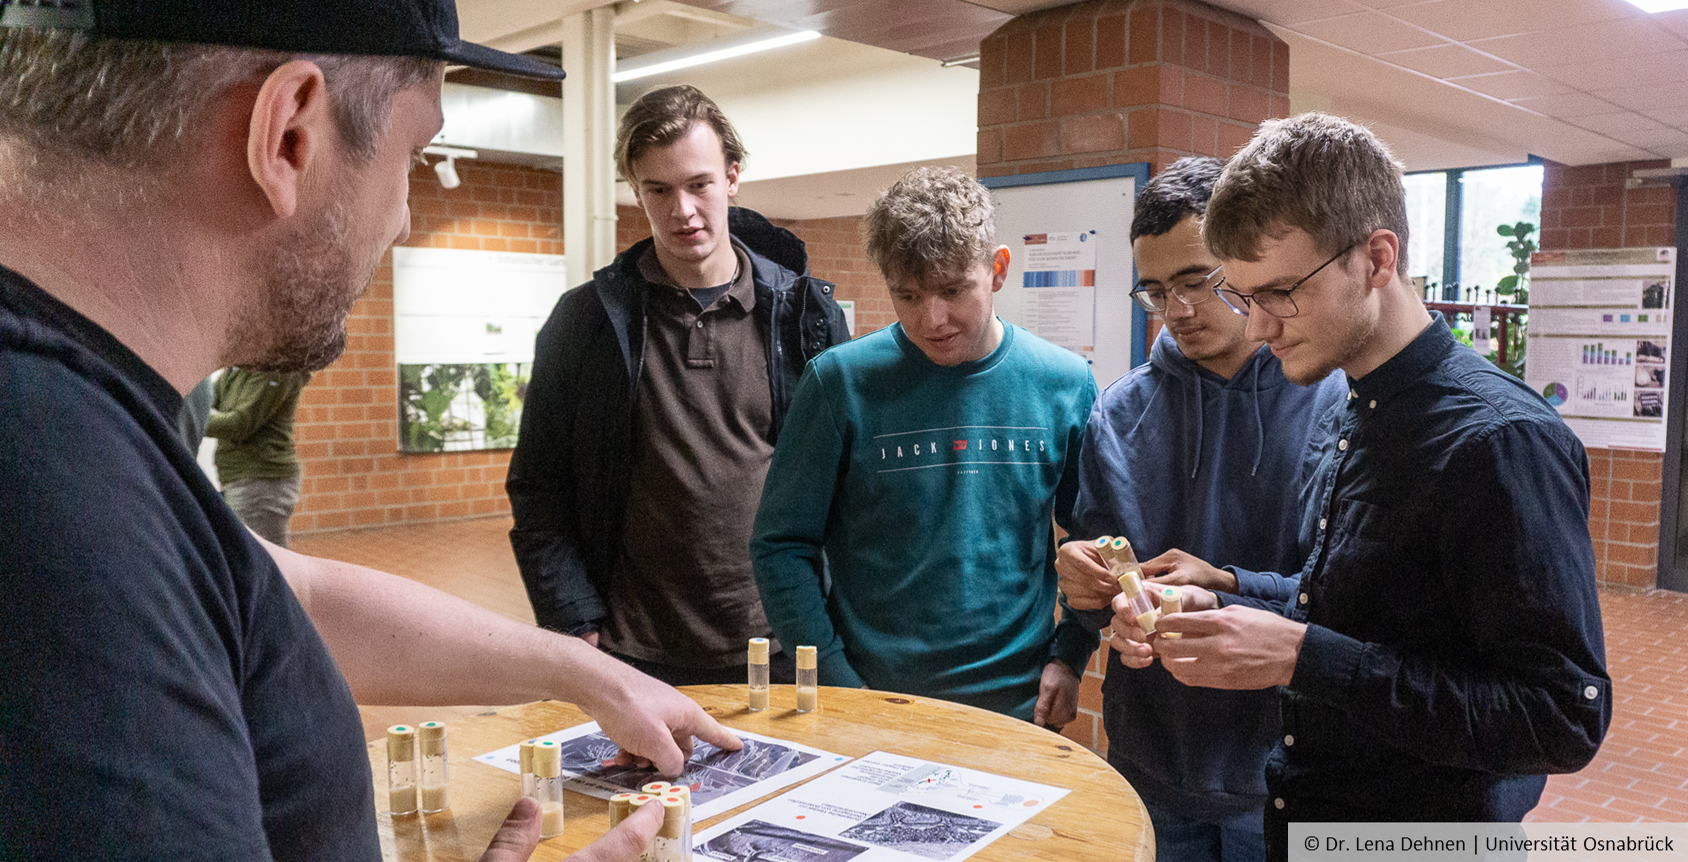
(186, 186)
(926, 461)
(659, 390)
(1203, 450)
(257, 465)
(1440, 649)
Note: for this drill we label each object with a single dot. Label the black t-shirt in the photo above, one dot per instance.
(162, 693)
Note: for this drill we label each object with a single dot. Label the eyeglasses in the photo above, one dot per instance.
(1192, 292)
(1278, 303)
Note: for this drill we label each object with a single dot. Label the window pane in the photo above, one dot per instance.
(1427, 210)
(1488, 199)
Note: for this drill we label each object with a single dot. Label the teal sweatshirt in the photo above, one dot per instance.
(931, 490)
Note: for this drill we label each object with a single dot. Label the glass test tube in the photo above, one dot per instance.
(1124, 559)
(758, 674)
(635, 804)
(401, 769)
(436, 775)
(808, 680)
(548, 787)
(670, 844)
(526, 757)
(1132, 586)
(1172, 602)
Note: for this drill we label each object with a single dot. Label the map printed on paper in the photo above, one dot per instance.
(719, 780)
(880, 808)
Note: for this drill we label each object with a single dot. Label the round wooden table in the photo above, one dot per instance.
(1101, 819)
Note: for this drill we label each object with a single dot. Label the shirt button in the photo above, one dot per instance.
(1353, 394)
(1374, 405)
(700, 324)
(1591, 692)
(1278, 803)
(1289, 739)
(1304, 598)
(1341, 445)
(1321, 523)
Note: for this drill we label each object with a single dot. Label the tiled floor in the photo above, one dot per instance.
(1641, 772)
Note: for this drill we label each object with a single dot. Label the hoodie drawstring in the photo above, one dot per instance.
(1259, 424)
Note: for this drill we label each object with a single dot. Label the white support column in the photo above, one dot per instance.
(588, 142)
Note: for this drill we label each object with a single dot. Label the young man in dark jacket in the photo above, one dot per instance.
(658, 392)
(1204, 449)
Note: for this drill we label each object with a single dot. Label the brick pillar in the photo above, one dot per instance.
(1109, 82)
(1590, 206)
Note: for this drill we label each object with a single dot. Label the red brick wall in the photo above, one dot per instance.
(1100, 83)
(1591, 207)
(347, 425)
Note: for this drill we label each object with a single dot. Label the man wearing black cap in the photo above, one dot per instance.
(188, 184)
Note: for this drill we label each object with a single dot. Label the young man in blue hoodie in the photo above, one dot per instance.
(927, 459)
(1202, 449)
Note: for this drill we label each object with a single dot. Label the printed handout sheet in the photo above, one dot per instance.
(720, 780)
(880, 808)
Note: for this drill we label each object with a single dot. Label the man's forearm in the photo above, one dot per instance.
(400, 642)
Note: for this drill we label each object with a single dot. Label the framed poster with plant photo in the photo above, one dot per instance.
(463, 334)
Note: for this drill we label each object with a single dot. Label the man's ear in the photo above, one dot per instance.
(291, 127)
(999, 268)
(1383, 251)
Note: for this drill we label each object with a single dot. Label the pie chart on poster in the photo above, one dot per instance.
(1554, 393)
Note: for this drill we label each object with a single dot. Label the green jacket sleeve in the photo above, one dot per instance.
(1074, 641)
(787, 544)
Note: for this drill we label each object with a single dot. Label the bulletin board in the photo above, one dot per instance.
(1070, 269)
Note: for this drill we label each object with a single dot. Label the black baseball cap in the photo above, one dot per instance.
(385, 28)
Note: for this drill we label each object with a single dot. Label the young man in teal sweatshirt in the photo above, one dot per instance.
(920, 467)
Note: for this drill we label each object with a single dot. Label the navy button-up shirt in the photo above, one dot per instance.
(1454, 651)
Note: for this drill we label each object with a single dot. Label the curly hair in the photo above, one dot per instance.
(1322, 174)
(663, 116)
(932, 221)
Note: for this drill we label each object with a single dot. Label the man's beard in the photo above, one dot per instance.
(310, 283)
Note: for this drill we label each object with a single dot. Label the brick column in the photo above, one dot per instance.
(1109, 82)
(1590, 206)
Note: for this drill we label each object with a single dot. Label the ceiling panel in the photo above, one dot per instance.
(1446, 61)
(1582, 43)
(1369, 33)
(1513, 85)
(1464, 20)
(1566, 105)
(1677, 116)
(1290, 14)
(1621, 121)
(1662, 141)
(938, 29)
(1640, 97)
(1615, 72)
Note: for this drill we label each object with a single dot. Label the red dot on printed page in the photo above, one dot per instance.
(802, 816)
(978, 806)
(1031, 803)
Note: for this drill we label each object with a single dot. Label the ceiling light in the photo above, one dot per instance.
(1659, 5)
(447, 170)
(712, 56)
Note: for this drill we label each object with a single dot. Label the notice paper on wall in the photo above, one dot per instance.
(1059, 273)
(1599, 342)
(719, 780)
(880, 807)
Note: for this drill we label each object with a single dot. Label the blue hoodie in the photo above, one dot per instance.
(1177, 457)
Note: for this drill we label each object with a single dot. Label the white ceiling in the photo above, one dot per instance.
(1448, 83)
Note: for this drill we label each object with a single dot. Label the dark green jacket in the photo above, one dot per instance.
(252, 420)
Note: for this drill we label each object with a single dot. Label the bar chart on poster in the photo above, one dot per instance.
(1599, 342)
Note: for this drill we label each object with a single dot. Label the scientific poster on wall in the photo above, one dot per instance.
(1059, 274)
(1070, 269)
(463, 330)
(1599, 342)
